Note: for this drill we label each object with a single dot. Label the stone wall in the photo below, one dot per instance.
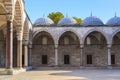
(38, 51)
(73, 51)
(99, 55)
(116, 51)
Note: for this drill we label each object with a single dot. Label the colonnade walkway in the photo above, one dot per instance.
(65, 74)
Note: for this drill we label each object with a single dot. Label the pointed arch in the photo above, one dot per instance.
(25, 30)
(114, 33)
(69, 30)
(70, 33)
(45, 30)
(18, 12)
(48, 34)
(99, 31)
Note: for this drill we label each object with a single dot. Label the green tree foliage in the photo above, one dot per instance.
(56, 16)
(79, 20)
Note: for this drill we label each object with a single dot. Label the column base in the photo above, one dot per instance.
(56, 66)
(28, 67)
(19, 67)
(81, 67)
(109, 67)
(9, 71)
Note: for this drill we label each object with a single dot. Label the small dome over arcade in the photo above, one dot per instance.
(45, 21)
(67, 22)
(115, 21)
(92, 21)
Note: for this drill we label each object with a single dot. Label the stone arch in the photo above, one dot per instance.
(115, 51)
(47, 31)
(69, 47)
(37, 33)
(95, 53)
(94, 30)
(25, 30)
(18, 12)
(69, 30)
(43, 53)
(114, 33)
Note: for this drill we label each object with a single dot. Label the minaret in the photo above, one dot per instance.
(115, 14)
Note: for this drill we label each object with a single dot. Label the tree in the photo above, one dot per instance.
(56, 16)
(79, 20)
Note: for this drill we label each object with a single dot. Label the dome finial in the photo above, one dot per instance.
(91, 14)
(66, 15)
(44, 15)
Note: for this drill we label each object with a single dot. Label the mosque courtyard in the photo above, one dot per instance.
(65, 74)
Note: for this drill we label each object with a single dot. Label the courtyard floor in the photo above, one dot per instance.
(65, 74)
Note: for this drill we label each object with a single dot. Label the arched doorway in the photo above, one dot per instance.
(68, 49)
(43, 50)
(95, 50)
(115, 52)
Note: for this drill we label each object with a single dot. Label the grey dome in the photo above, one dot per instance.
(92, 21)
(67, 21)
(113, 21)
(44, 21)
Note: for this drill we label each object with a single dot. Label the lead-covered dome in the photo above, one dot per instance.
(113, 21)
(92, 21)
(44, 21)
(67, 22)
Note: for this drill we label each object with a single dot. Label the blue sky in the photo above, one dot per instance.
(104, 9)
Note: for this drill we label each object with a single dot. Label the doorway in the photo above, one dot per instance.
(66, 59)
(44, 59)
(112, 59)
(89, 59)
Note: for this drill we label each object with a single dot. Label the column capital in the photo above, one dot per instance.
(25, 42)
(19, 38)
(109, 46)
(30, 46)
(81, 46)
(19, 28)
(56, 46)
(10, 17)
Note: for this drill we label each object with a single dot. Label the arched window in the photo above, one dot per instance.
(66, 40)
(88, 41)
(44, 40)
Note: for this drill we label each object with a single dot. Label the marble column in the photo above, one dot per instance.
(30, 54)
(19, 49)
(56, 55)
(25, 54)
(81, 55)
(9, 45)
(109, 56)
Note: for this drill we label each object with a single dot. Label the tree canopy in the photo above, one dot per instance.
(79, 20)
(56, 16)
